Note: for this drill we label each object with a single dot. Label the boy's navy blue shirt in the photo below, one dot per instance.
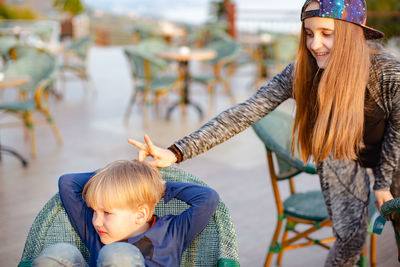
(164, 243)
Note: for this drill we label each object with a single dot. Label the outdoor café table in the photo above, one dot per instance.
(7, 82)
(183, 55)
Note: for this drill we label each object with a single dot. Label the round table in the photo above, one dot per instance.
(183, 55)
(7, 82)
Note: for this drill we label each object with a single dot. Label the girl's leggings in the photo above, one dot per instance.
(345, 186)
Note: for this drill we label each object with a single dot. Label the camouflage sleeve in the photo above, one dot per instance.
(389, 81)
(239, 117)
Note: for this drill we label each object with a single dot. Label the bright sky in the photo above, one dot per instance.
(194, 11)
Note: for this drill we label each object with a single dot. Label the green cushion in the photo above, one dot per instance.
(18, 106)
(164, 82)
(204, 79)
(309, 205)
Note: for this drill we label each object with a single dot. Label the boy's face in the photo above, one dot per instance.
(116, 224)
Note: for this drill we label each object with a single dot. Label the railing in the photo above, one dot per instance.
(255, 20)
(32, 31)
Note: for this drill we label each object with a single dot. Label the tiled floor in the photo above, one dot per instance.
(94, 134)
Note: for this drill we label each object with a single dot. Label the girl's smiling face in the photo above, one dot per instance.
(319, 37)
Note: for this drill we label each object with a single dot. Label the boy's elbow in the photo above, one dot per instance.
(213, 198)
(64, 181)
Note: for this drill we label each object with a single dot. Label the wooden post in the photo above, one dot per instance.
(230, 14)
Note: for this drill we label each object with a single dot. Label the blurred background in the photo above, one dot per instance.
(77, 78)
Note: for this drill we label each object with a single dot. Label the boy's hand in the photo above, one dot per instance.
(162, 157)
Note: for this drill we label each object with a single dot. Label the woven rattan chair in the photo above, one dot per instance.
(390, 210)
(307, 208)
(228, 51)
(151, 76)
(75, 60)
(215, 246)
(39, 67)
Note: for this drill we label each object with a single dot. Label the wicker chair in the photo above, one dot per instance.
(215, 246)
(307, 207)
(39, 67)
(151, 76)
(390, 210)
(75, 60)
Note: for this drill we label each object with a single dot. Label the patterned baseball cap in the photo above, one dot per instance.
(354, 11)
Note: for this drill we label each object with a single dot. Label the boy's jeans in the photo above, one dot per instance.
(67, 255)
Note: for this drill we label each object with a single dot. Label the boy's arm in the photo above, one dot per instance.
(203, 202)
(70, 188)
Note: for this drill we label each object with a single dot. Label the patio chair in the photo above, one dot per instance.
(32, 96)
(209, 33)
(280, 53)
(275, 131)
(75, 60)
(227, 52)
(390, 210)
(149, 75)
(21, 50)
(216, 245)
(308, 207)
(6, 43)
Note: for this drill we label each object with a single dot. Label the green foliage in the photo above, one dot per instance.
(217, 9)
(74, 7)
(11, 12)
(379, 5)
(387, 23)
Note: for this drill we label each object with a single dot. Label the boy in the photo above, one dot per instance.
(112, 211)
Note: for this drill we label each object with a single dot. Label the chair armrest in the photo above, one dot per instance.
(227, 263)
(389, 207)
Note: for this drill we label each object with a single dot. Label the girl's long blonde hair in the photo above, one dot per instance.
(330, 103)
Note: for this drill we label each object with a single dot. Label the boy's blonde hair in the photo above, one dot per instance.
(124, 184)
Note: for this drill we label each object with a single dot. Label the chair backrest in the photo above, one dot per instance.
(285, 50)
(6, 43)
(143, 31)
(216, 243)
(81, 46)
(275, 131)
(37, 66)
(151, 46)
(226, 50)
(20, 51)
(210, 33)
(142, 61)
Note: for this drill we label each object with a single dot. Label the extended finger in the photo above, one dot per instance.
(149, 143)
(137, 144)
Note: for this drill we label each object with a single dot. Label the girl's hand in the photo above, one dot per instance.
(382, 196)
(161, 157)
